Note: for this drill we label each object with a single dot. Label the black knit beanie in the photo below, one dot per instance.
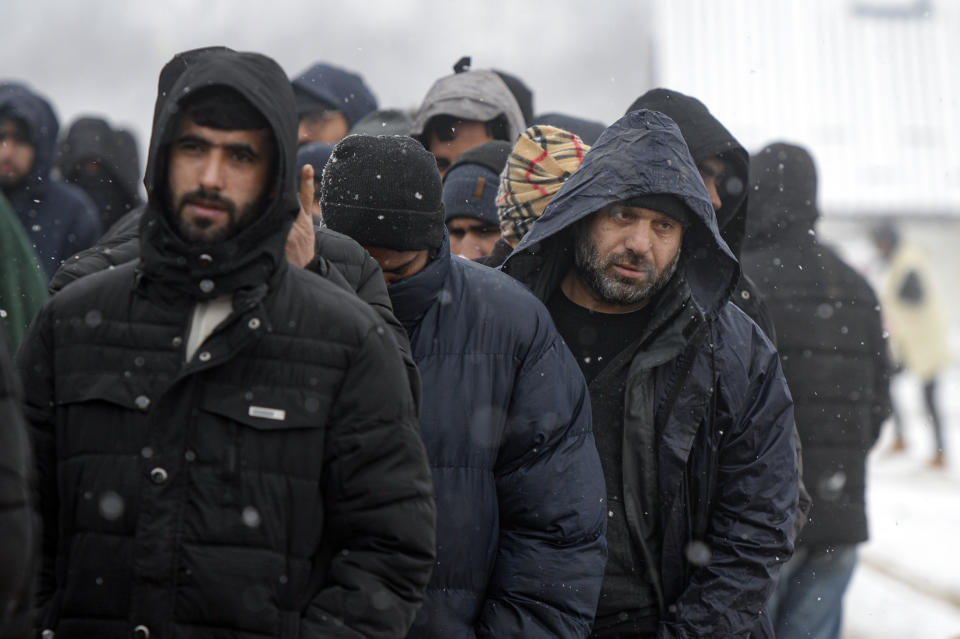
(383, 191)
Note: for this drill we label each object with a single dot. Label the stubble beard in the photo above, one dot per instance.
(594, 270)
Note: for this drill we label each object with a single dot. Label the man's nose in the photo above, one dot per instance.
(470, 249)
(711, 184)
(212, 172)
(640, 238)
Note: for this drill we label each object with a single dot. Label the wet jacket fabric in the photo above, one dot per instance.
(19, 529)
(706, 137)
(338, 259)
(506, 422)
(831, 341)
(23, 285)
(704, 389)
(115, 186)
(59, 218)
(274, 485)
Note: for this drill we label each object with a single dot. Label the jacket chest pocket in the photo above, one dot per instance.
(274, 431)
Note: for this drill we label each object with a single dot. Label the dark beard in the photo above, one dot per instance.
(591, 268)
(193, 232)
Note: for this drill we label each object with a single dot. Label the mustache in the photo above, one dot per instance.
(628, 259)
(202, 197)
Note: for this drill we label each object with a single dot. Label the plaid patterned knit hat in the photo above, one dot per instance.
(542, 159)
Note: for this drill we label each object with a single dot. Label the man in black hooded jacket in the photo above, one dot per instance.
(724, 166)
(104, 163)
(225, 445)
(835, 358)
(691, 413)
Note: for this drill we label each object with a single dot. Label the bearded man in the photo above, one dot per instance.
(691, 412)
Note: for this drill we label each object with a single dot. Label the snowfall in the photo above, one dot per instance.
(907, 584)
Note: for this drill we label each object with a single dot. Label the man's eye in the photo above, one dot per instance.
(457, 233)
(489, 230)
(243, 157)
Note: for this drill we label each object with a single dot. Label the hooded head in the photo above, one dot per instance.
(190, 86)
(520, 91)
(465, 110)
(783, 194)
(104, 162)
(707, 139)
(640, 160)
(324, 90)
(40, 127)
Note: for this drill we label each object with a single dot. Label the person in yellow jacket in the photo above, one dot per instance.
(918, 332)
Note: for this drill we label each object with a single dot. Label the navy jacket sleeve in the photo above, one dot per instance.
(755, 497)
(552, 549)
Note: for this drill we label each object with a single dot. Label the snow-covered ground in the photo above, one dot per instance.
(907, 584)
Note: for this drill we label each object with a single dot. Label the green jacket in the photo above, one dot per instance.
(23, 287)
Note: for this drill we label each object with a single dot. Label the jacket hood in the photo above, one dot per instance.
(642, 153)
(472, 95)
(338, 89)
(706, 138)
(19, 101)
(116, 150)
(249, 257)
(783, 195)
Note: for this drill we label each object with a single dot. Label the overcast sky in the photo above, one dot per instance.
(869, 91)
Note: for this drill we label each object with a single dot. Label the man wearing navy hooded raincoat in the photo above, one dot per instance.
(59, 218)
(692, 416)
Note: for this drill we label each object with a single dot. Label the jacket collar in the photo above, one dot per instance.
(413, 296)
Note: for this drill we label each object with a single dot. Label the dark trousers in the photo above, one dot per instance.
(933, 414)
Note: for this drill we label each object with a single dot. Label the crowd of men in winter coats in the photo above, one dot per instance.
(464, 372)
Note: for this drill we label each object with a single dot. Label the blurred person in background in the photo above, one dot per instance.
(587, 130)
(522, 93)
(464, 110)
(105, 163)
(918, 331)
(692, 415)
(383, 122)
(226, 444)
(541, 161)
(834, 355)
(469, 199)
(506, 415)
(23, 284)
(60, 219)
(330, 101)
